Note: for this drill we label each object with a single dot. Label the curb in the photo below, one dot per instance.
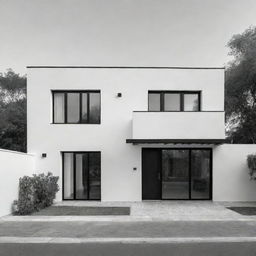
(126, 240)
(115, 219)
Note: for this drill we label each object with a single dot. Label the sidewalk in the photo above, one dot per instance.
(160, 232)
(152, 211)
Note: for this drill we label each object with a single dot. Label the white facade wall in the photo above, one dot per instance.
(119, 182)
(231, 180)
(13, 165)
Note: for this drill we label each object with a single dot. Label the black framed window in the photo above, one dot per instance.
(174, 101)
(81, 178)
(76, 107)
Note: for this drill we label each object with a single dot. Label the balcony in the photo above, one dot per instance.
(204, 126)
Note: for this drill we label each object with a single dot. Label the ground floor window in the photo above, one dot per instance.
(81, 175)
(176, 173)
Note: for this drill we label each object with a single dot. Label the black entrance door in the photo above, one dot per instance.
(151, 174)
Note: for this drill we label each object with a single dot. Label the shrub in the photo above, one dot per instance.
(35, 193)
(25, 202)
(251, 163)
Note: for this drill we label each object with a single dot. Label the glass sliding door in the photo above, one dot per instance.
(94, 174)
(200, 174)
(82, 175)
(68, 176)
(175, 174)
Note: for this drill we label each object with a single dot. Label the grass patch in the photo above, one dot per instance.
(249, 211)
(82, 211)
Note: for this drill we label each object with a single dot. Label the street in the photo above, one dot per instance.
(119, 249)
(128, 238)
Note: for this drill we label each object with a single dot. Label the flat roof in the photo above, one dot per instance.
(176, 141)
(127, 67)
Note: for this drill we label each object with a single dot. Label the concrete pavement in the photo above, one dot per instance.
(127, 230)
(152, 211)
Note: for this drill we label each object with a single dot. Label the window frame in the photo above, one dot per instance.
(181, 93)
(74, 153)
(65, 92)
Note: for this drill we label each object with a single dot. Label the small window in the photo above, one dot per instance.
(76, 107)
(173, 101)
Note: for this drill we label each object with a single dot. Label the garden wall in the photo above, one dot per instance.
(231, 181)
(13, 165)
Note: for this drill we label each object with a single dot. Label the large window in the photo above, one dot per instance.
(81, 175)
(173, 101)
(186, 174)
(76, 107)
(176, 173)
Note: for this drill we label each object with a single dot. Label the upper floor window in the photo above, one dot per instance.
(76, 107)
(174, 101)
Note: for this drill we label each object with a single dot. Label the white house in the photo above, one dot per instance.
(130, 133)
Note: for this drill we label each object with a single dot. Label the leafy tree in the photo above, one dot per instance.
(13, 111)
(240, 88)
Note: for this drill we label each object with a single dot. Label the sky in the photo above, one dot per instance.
(120, 32)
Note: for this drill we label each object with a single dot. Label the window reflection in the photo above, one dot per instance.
(154, 102)
(94, 108)
(191, 102)
(200, 174)
(175, 174)
(172, 102)
(59, 108)
(73, 108)
(84, 108)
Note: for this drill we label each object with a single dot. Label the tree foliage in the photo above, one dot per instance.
(240, 88)
(251, 163)
(13, 111)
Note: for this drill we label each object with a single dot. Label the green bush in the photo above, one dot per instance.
(251, 163)
(35, 193)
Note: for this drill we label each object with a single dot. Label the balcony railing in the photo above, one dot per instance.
(179, 125)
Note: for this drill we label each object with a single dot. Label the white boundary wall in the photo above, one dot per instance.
(13, 165)
(231, 181)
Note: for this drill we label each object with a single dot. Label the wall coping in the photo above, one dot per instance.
(244, 145)
(15, 152)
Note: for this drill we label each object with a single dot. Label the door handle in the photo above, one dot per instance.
(159, 176)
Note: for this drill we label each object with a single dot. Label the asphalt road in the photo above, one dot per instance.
(117, 249)
(138, 230)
